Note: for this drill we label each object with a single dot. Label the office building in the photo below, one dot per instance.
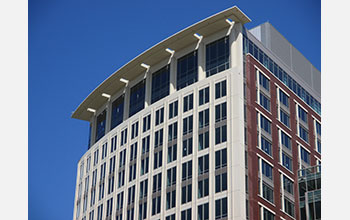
(211, 123)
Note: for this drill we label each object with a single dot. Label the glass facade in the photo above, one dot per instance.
(187, 70)
(117, 111)
(137, 98)
(100, 125)
(160, 84)
(217, 56)
(309, 184)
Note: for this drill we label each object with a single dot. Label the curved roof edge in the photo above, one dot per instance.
(154, 55)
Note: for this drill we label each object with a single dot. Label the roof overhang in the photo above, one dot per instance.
(154, 55)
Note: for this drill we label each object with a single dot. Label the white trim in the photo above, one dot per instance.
(257, 68)
(263, 114)
(296, 102)
(290, 178)
(300, 145)
(279, 128)
(261, 157)
(262, 205)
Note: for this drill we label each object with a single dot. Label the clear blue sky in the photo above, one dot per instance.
(75, 45)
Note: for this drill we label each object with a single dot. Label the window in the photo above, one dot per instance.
(186, 214)
(304, 155)
(284, 117)
(109, 207)
(266, 146)
(172, 131)
(113, 143)
(134, 130)
(137, 98)
(217, 56)
(187, 147)
(103, 171)
(130, 214)
(284, 99)
(88, 164)
(171, 176)
(265, 124)
(172, 153)
(146, 123)
(158, 138)
(203, 188)
(203, 140)
(100, 212)
(186, 194)
(203, 164)
(157, 182)
(133, 151)
(117, 112)
(266, 169)
(203, 96)
(143, 189)
(170, 217)
(220, 112)
(267, 192)
(286, 140)
(220, 134)
(302, 114)
(158, 157)
(203, 118)
(100, 125)
(318, 128)
(124, 136)
(187, 70)
(173, 109)
(121, 176)
(203, 212)
(221, 208)
(120, 198)
(96, 157)
(122, 157)
(265, 102)
(156, 205)
(145, 145)
(318, 145)
(104, 150)
(288, 185)
(289, 207)
(132, 172)
(268, 215)
(188, 102)
(131, 194)
(187, 170)
(143, 210)
(264, 81)
(91, 215)
(220, 158)
(303, 133)
(144, 165)
(159, 116)
(220, 182)
(187, 124)
(220, 89)
(170, 199)
(160, 84)
(287, 162)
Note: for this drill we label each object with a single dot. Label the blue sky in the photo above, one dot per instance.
(75, 45)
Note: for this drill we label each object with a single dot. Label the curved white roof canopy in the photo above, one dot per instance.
(154, 55)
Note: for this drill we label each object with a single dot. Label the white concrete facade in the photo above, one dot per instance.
(235, 192)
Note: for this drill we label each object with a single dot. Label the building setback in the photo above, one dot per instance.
(214, 122)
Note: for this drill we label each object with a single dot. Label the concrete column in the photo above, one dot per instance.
(172, 79)
(237, 165)
(201, 62)
(148, 91)
(126, 102)
(108, 116)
